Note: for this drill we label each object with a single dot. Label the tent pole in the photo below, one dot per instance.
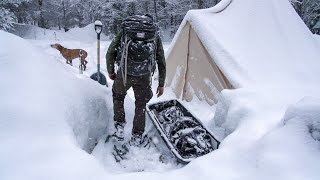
(187, 65)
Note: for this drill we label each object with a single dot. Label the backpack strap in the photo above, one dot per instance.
(124, 59)
(155, 50)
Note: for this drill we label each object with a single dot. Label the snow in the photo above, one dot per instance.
(98, 23)
(317, 38)
(38, 101)
(269, 127)
(220, 6)
(86, 34)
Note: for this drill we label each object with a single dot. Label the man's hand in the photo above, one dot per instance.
(160, 91)
(112, 76)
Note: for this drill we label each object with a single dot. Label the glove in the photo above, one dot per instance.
(112, 76)
(160, 91)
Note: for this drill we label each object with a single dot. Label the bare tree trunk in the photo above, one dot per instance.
(64, 15)
(299, 6)
(59, 23)
(155, 11)
(41, 22)
(146, 7)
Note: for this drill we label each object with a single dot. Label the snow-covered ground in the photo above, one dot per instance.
(50, 115)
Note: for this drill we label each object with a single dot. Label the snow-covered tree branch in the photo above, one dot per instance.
(7, 18)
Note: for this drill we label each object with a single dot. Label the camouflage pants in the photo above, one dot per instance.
(141, 86)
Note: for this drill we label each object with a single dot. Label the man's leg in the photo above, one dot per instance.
(119, 92)
(143, 93)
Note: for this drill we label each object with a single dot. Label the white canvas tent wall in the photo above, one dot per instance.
(249, 44)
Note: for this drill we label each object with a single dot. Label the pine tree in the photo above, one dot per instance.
(168, 14)
(308, 10)
(6, 19)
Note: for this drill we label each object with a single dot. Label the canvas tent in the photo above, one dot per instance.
(248, 44)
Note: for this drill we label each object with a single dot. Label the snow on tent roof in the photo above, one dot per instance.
(249, 44)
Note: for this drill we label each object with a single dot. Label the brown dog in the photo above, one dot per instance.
(70, 54)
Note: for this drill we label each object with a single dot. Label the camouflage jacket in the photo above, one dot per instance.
(116, 45)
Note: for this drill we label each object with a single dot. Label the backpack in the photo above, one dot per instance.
(137, 54)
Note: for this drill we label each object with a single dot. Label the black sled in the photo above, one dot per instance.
(177, 132)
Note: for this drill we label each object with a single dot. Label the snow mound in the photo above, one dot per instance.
(86, 34)
(293, 146)
(260, 141)
(307, 113)
(47, 115)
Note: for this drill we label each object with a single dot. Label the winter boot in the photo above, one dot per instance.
(119, 133)
(140, 141)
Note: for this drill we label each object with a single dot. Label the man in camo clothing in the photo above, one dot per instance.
(141, 86)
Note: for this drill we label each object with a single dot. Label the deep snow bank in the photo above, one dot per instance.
(267, 135)
(244, 112)
(43, 111)
(306, 113)
(294, 145)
